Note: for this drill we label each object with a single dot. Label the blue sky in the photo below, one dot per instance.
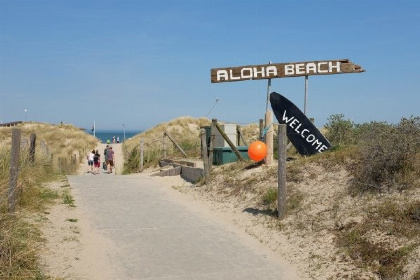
(141, 63)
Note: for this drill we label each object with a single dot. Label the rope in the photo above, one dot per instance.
(265, 130)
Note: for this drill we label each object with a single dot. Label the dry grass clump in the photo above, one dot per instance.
(18, 249)
(364, 233)
(19, 234)
(184, 130)
(370, 234)
(62, 141)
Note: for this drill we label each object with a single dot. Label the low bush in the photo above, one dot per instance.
(388, 157)
(339, 130)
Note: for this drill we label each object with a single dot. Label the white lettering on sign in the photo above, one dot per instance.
(305, 133)
(312, 68)
(247, 73)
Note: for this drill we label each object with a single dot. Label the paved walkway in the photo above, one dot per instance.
(160, 237)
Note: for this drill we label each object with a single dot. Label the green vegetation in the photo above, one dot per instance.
(68, 198)
(185, 131)
(379, 159)
(20, 237)
(374, 218)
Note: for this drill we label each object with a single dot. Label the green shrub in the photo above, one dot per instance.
(388, 156)
(270, 196)
(339, 131)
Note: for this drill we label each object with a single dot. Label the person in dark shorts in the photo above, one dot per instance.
(96, 162)
(110, 158)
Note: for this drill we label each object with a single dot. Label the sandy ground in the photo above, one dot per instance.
(306, 241)
(72, 249)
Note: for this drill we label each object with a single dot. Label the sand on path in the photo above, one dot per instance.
(77, 248)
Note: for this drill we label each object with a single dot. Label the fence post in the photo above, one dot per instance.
(164, 146)
(282, 171)
(74, 163)
(204, 154)
(32, 148)
(59, 165)
(240, 136)
(14, 168)
(141, 155)
(211, 147)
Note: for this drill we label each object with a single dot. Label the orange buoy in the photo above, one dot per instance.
(257, 150)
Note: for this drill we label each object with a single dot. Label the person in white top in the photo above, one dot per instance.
(90, 158)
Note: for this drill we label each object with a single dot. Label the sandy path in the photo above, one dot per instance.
(77, 248)
(74, 250)
(118, 159)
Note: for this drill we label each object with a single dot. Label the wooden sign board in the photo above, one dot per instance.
(284, 70)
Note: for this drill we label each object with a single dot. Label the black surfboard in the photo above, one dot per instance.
(303, 134)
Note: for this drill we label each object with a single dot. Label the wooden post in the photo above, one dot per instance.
(269, 136)
(164, 146)
(240, 136)
(141, 155)
(176, 144)
(74, 163)
(227, 139)
(14, 168)
(261, 128)
(211, 147)
(282, 172)
(32, 149)
(204, 155)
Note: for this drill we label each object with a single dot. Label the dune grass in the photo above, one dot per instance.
(20, 237)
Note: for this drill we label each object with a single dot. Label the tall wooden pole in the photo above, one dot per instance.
(282, 172)
(269, 136)
(268, 92)
(306, 95)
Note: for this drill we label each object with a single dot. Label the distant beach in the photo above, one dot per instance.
(104, 135)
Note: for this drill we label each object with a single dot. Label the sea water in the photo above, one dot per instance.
(105, 135)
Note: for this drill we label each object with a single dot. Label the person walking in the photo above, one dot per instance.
(106, 157)
(96, 162)
(90, 158)
(110, 158)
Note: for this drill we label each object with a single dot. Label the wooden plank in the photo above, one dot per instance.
(284, 70)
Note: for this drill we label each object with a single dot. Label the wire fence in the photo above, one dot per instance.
(20, 164)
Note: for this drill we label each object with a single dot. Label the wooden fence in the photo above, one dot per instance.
(21, 155)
